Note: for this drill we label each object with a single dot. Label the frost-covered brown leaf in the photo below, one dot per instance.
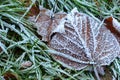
(82, 42)
(46, 22)
(79, 39)
(114, 26)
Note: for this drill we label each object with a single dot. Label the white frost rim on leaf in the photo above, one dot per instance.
(116, 24)
(60, 28)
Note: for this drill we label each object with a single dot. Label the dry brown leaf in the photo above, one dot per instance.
(79, 39)
(11, 76)
(47, 22)
(114, 26)
(81, 42)
(34, 11)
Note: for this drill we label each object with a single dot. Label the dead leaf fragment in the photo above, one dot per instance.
(114, 26)
(26, 64)
(11, 76)
(47, 22)
(112, 22)
(34, 11)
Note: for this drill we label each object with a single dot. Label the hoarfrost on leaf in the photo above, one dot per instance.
(79, 39)
(116, 24)
(47, 22)
(83, 43)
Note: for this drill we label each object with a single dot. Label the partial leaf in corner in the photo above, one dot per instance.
(46, 22)
(34, 11)
(10, 75)
(80, 46)
(114, 26)
(112, 22)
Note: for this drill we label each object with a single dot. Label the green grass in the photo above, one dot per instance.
(19, 42)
